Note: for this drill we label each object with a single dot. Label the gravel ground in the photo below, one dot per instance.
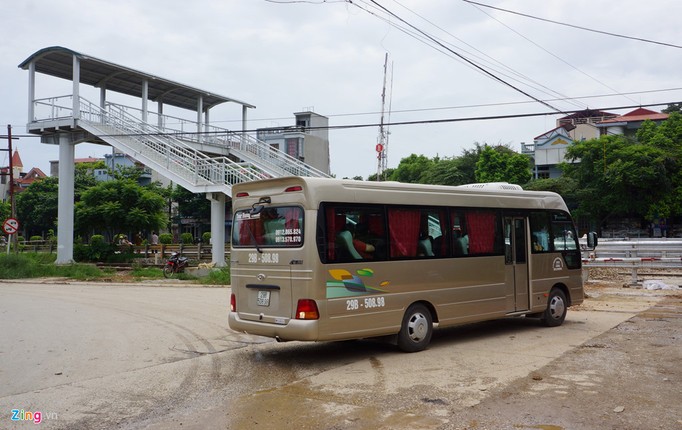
(628, 378)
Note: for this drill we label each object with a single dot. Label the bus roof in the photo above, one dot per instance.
(352, 191)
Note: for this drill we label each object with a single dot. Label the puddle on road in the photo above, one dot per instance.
(298, 406)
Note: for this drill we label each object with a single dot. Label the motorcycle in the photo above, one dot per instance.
(175, 264)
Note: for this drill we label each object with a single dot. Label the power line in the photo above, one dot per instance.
(460, 56)
(396, 123)
(575, 26)
(549, 91)
(551, 53)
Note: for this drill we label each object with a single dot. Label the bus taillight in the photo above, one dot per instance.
(294, 188)
(242, 194)
(307, 310)
(233, 303)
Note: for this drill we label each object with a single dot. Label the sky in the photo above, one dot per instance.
(328, 56)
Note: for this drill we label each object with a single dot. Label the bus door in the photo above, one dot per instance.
(516, 261)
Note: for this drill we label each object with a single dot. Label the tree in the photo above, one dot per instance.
(120, 206)
(192, 205)
(5, 210)
(502, 164)
(412, 169)
(641, 176)
(37, 206)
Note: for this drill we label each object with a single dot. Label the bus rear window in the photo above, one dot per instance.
(280, 227)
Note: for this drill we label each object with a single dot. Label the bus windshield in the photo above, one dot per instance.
(272, 227)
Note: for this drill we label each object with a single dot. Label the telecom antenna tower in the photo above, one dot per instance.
(382, 141)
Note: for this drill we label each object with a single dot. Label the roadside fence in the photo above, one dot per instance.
(635, 255)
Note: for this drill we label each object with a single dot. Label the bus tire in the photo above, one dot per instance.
(557, 307)
(416, 330)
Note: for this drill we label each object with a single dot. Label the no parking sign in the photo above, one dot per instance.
(10, 226)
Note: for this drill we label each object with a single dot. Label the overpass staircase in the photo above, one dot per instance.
(206, 162)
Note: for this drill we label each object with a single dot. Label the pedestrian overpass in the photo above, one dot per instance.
(197, 155)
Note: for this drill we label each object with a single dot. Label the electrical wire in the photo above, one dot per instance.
(550, 53)
(575, 26)
(396, 123)
(549, 91)
(460, 56)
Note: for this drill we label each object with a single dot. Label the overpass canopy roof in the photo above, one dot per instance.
(58, 61)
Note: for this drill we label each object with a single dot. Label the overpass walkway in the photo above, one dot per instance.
(201, 158)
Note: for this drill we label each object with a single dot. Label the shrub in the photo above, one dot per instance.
(166, 238)
(206, 237)
(35, 238)
(98, 250)
(187, 238)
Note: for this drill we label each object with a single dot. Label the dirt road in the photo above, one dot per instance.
(627, 378)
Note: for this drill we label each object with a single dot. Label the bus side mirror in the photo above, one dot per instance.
(592, 240)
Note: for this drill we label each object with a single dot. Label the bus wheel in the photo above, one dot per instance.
(415, 333)
(556, 308)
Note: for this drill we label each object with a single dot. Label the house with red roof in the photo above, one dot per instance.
(22, 180)
(629, 123)
(548, 150)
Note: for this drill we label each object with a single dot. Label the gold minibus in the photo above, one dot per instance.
(317, 259)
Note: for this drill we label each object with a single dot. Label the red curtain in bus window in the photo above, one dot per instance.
(291, 218)
(246, 236)
(481, 230)
(375, 225)
(334, 224)
(403, 229)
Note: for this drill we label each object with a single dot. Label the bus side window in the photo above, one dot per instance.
(431, 227)
(539, 231)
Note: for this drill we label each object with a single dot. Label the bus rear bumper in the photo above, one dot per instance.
(292, 330)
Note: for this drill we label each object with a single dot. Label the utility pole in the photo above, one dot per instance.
(11, 168)
(381, 148)
(13, 211)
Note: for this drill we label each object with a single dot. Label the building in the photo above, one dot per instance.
(629, 123)
(307, 141)
(548, 150)
(22, 180)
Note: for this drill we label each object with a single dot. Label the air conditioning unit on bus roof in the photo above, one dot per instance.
(493, 186)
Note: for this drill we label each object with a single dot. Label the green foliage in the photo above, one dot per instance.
(5, 210)
(37, 206)
(217, 277)
(624, 176)
(206, 237)
(187, 238)
(166, 238)
(28, 265)
(35, 238)
(146, 272)
(501, 164)
(412, 169)
(127, 173)
(120, 205)
(192, 205)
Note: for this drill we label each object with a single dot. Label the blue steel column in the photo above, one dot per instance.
(217, 228)
(65, 211)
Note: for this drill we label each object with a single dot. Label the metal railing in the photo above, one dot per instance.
(151, 146)
(243, 145)
(167, 150)
(635, 255)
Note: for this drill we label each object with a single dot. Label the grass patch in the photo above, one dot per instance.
(37, 265)
(217, 277)
(146, 272)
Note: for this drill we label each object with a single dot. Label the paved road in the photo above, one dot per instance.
(145, 356)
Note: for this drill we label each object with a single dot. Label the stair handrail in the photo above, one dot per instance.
(220, 170)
